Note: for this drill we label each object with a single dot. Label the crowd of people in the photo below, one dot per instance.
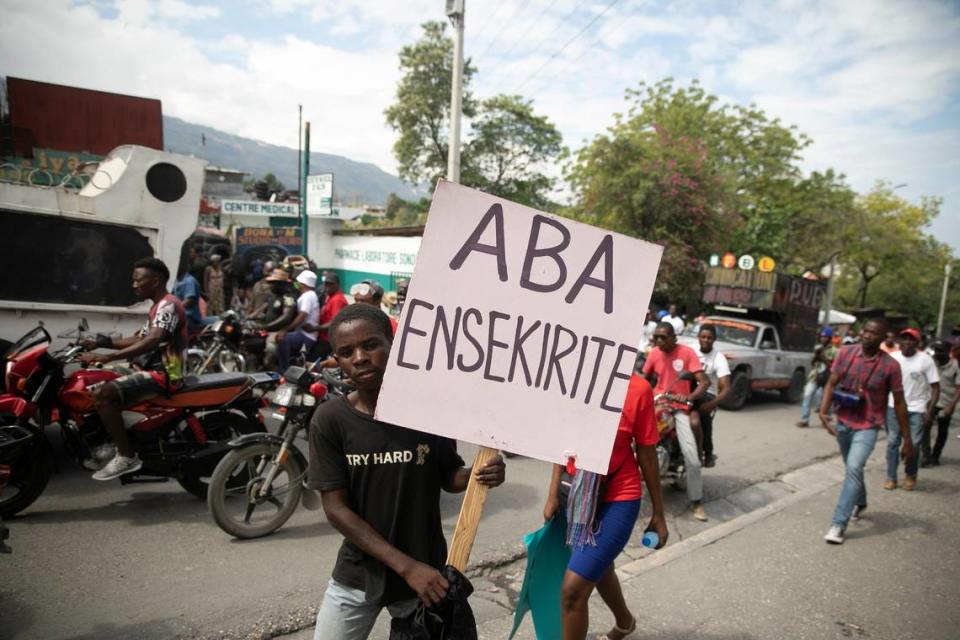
(386, 506)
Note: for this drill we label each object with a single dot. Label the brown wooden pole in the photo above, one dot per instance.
(466, 530)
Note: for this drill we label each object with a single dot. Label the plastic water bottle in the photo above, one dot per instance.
(650, 539)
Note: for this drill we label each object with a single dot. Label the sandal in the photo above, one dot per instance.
(622, 633)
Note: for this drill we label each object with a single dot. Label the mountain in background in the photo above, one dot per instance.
(354, 183)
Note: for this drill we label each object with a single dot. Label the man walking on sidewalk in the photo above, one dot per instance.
(823, 355)
(862, 378)
(949, 372)
(921, 390)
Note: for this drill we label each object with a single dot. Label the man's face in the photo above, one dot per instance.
(825, 339)
(871, 335)
(268, 268)
(908, 344)
(942, 356)
(330, 288)
(664, 339)
(673, 310)
(145, 283)
(706, 339)
(891, 338)
(361, 350)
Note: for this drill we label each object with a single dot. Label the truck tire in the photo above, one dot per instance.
(739, 391)
(794, 393)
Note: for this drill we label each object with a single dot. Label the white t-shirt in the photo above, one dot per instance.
(715, 366)
(919, 371)
(677, 323)
(648, 330)
(309, 303)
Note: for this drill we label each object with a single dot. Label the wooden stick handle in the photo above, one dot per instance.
(466, 530)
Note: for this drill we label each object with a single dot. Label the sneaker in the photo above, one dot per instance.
(803, 424)
(711, 461)
(697, 510)
(909, 483)
(119, 466)
(857, 510)
(926, 462)
(890, 485)
(834, 535)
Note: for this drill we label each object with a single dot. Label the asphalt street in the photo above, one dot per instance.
(109, 561)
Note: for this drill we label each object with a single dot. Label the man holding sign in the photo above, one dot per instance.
(380, 486)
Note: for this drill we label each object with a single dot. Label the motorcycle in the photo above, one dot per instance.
(180, 435)
(669, 455)
(11, 437)
(257, 486)
(218, 348)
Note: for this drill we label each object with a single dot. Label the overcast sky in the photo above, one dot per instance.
(876, 84)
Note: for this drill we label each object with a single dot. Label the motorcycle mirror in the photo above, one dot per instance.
(83, 326)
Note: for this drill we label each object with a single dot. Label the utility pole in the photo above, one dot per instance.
(300, 151)
(947, 268)
(828, 306)
(303, 186)
(455, 11)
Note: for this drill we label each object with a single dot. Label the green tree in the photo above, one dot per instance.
(421, 111)
(508, 149)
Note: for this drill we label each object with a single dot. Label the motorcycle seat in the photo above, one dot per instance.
(212, 381)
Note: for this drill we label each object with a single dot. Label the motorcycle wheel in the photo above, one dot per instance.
(221, 426)
(31, 469)
(240, 511)
(193, 363)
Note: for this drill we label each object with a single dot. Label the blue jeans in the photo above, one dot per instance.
(291, 345)
(856, 445)
(812, 397)
(894, 439)
(346, 615)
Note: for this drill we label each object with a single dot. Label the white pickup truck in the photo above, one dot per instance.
(757, 360)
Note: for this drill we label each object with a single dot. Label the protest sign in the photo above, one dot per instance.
(518, 331)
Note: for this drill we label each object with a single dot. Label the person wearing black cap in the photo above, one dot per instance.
(949, 372)
(921, 390)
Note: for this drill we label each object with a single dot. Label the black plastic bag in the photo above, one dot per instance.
(451, 619)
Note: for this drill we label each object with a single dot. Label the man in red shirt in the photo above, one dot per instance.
(668, 360)
(333, 303)
(863, 376)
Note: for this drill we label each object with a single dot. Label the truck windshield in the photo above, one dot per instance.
(740, 333)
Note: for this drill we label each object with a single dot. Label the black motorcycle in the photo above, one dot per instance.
(257, 486)
(218, 348)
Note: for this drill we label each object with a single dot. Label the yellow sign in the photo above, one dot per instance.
(766, 264)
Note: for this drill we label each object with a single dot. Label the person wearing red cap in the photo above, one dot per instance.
(861, 378)
(921, 390)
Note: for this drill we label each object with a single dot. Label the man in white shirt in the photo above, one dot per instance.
(718, 371)
(296, 335)
(673, 317)
(949, 371)
(921, 390)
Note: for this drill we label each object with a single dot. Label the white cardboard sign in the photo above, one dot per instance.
(518, 330)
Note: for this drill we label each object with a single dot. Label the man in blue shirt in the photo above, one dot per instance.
(187, 289)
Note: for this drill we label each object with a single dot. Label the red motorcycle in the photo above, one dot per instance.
(182, 435)
(669, 456)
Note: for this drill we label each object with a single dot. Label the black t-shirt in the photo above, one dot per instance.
(393, 477)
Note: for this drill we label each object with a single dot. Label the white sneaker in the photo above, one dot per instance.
(119, 466)
(834, 535)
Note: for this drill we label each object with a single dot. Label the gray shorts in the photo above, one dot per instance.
(142, 385)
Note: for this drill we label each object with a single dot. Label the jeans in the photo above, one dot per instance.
(691, 456)
(346, 615)
(894, 439)
(856, 445)
(943, 427)
(812, 397)
(290, 345)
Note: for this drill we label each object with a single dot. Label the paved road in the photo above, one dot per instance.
(109, 561)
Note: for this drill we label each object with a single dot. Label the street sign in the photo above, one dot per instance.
(290, 238)
(518, 330)
(746, 262)
(729, 261)
(714, 260)
(320, 194)
(766, 264)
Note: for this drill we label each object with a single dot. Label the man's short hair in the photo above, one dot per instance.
(666, 326)
(366, 313)
(709, 328)
(882, 324)
(156, 266)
